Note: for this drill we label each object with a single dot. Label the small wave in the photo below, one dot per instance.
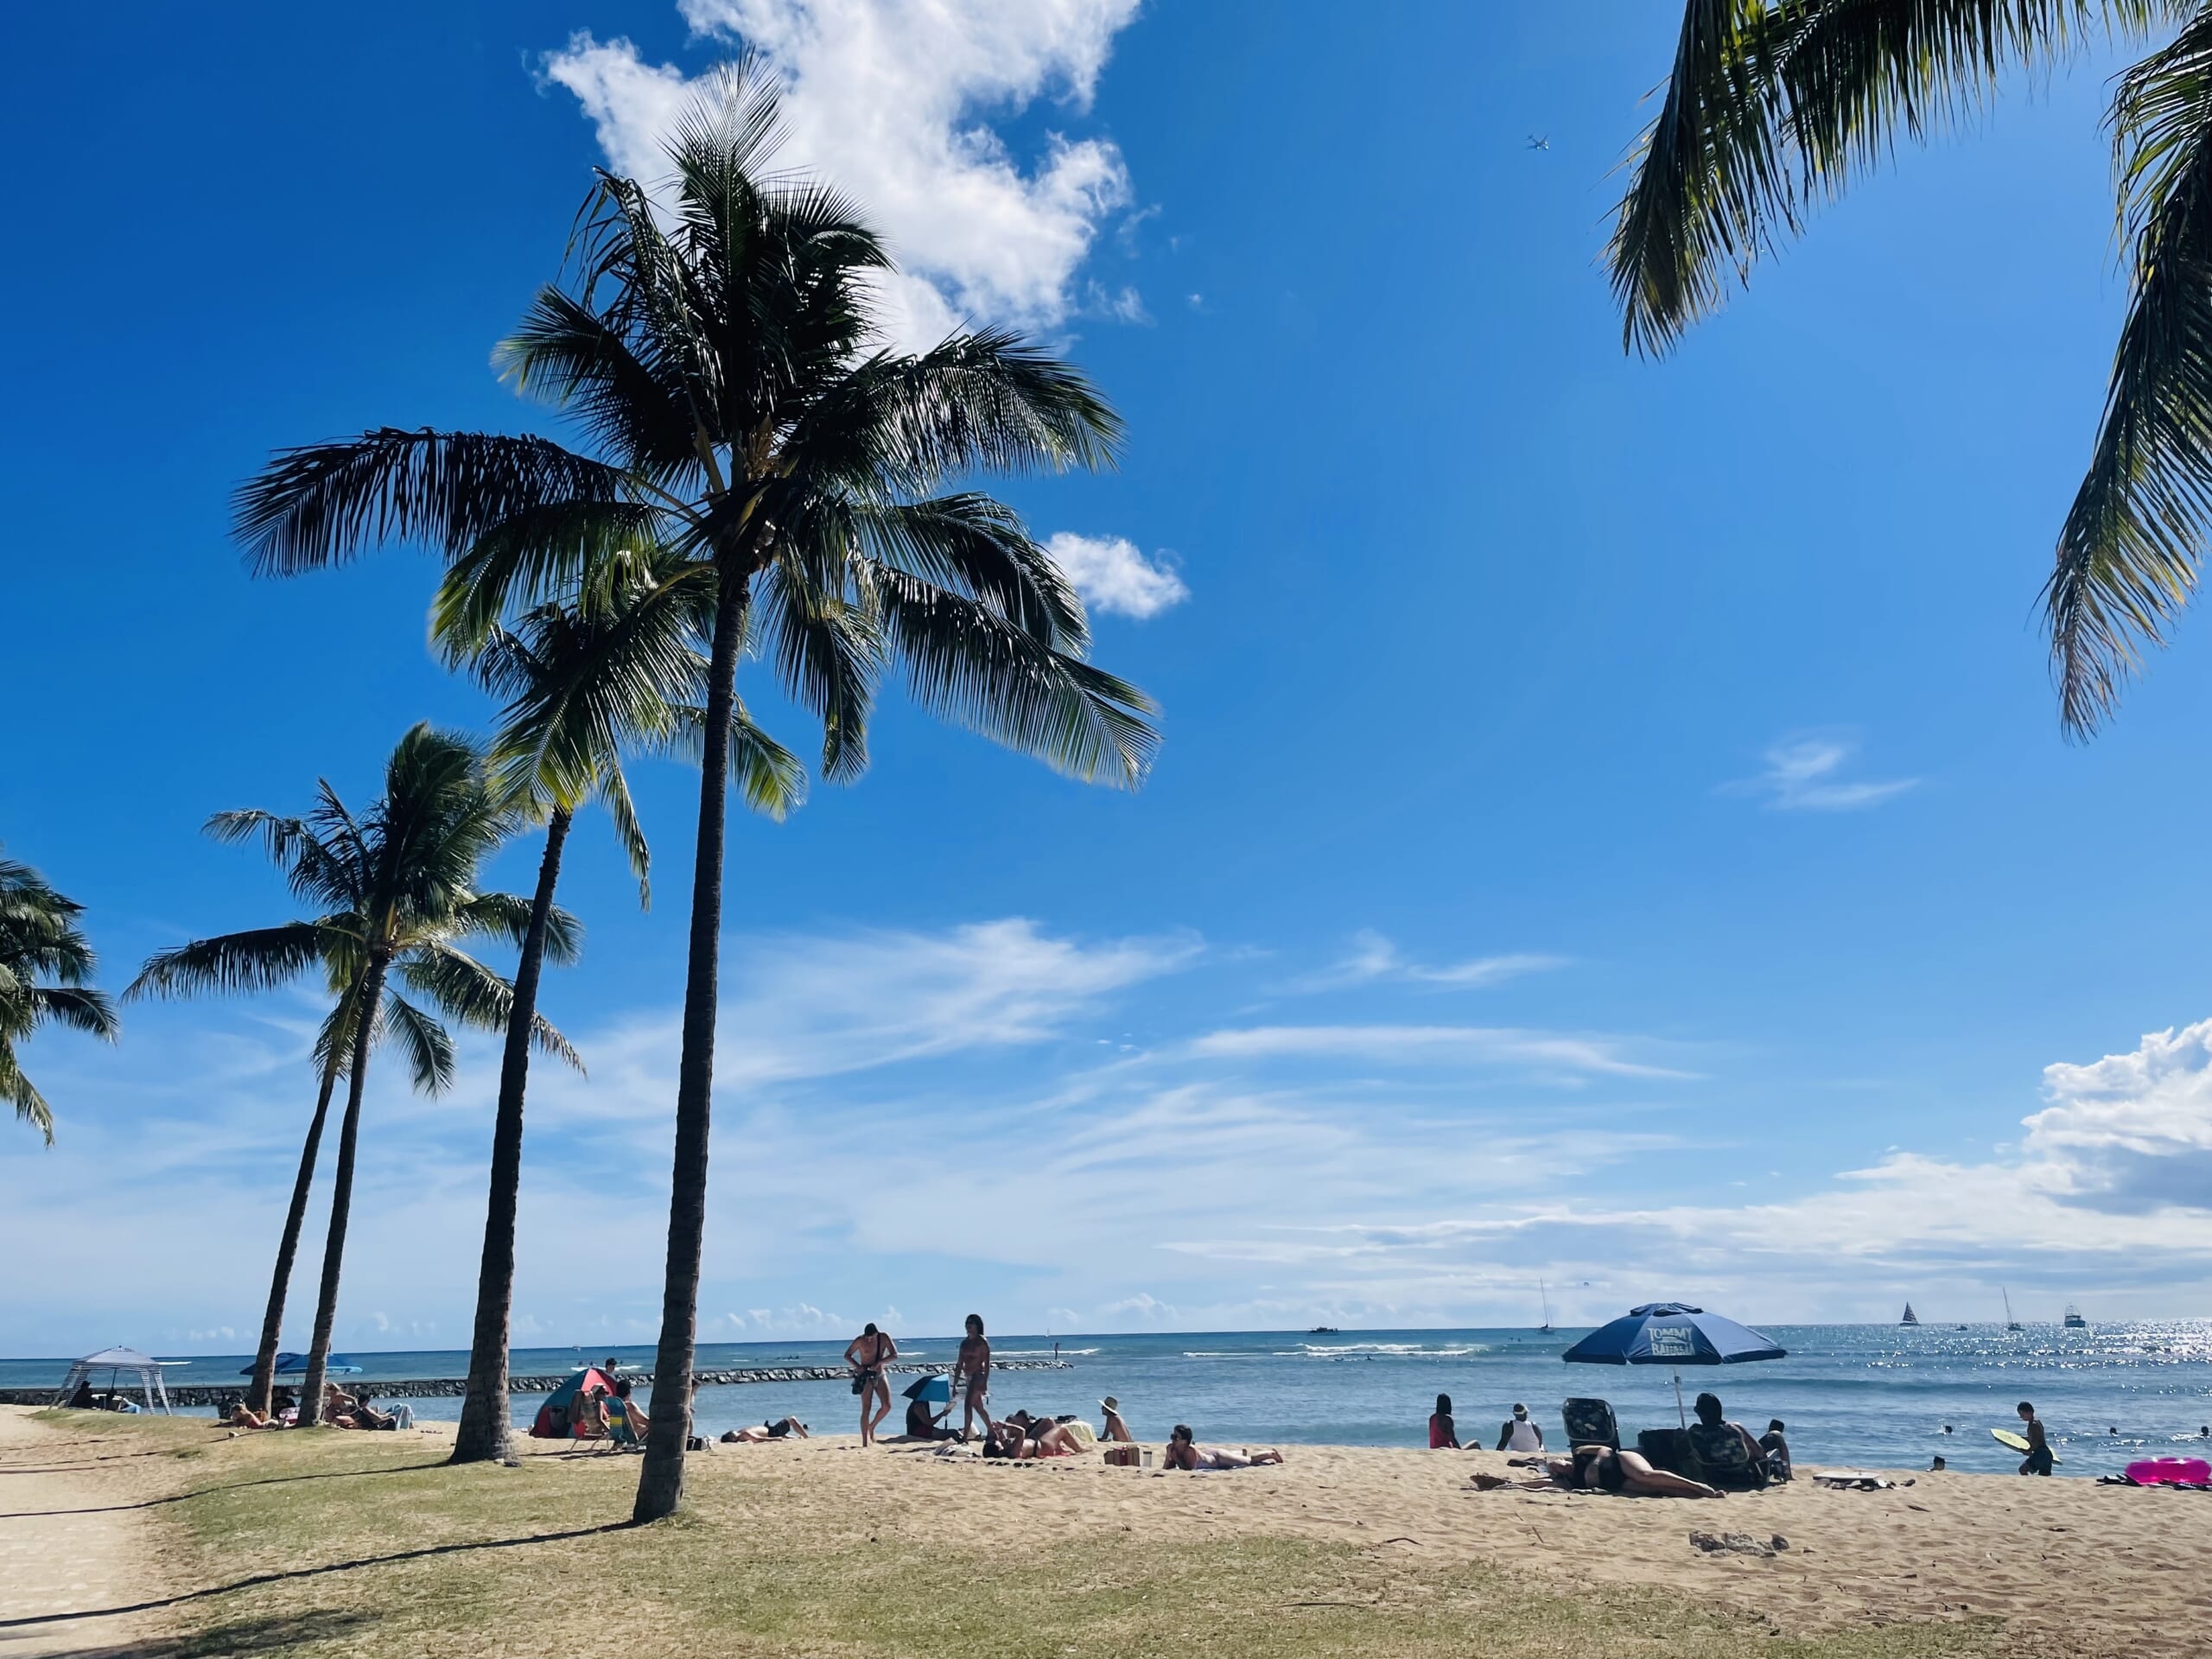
(1042, 1353)
(1388, 1350)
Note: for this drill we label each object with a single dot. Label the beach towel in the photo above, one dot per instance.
(1085, 1436)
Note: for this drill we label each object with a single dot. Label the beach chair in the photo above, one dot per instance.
(1722, 1459)
(1590, 1422)
(1668, 1449)
(620, 1436)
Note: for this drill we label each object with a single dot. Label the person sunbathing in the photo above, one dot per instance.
(761, 1434)
(639, 1423)
(1603, 1468)
(241, 1416)
(1185, 1452)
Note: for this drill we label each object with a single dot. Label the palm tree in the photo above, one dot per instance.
(40, 940)
(393, 890)
(1773, 105)
(614, 664)
(725, 362)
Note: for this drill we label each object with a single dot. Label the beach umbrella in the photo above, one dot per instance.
(935, 1390)
(294, 1365)
(1674, 1334)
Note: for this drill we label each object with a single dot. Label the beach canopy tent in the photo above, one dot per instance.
(935, 1390)
(1673, 1333)
(552, 1422)
(114, 1364)
(296, 1365)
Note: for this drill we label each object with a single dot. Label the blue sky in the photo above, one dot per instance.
(1613, 826)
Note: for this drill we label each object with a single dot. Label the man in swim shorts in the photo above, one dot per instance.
(2039, 1459)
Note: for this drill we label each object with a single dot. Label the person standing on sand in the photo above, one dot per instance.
(1517, 1434)
(974, 1362)
(867, 1355)
(2038, 1460)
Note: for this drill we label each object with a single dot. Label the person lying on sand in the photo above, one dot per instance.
(1115, 1429)
(760, 1434)
(241, 1416)
(1185, 1452)
(1602, 1468)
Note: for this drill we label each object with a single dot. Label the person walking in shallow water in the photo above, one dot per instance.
(868, 1355)
(974, 1362)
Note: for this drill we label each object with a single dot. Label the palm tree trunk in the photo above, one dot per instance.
(487, 1420)
(341, 1192)
(660, 1483)
(279, 1283)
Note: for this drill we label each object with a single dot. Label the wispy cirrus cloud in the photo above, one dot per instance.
(1804, 774)
(1540, 1051)
(894, 102)
(1373, 959)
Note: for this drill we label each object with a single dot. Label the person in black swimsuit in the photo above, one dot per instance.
(1603, 1467)
(868, 1354)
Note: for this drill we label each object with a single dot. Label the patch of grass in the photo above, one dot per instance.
(330, 1544)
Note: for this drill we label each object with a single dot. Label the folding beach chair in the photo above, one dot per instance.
(620, 1436)
(1590, 1422)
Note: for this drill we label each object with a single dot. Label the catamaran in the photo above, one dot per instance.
(1911, 1318)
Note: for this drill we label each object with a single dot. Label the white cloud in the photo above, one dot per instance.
(892, 100)
(1433, 1046)
(1801, 776)
(1112, 575)
(1374, 959)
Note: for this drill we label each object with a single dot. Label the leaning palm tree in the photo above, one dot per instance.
(718, 348)
(613, 665)
(394, 889)
(1773, 105)
(46, 966)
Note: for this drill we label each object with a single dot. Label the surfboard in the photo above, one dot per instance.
(2017, 1442)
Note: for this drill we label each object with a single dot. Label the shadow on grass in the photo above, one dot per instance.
(209, 1492)
(258, 1580)
(281, 1632)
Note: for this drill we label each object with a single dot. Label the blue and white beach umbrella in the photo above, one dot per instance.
(1673, 1333)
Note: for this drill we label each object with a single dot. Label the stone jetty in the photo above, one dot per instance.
(436, 1388)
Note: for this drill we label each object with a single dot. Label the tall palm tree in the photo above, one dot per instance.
(394, 889)
(726, 363)
(613, 665)
(1772, 105)
(46, 970)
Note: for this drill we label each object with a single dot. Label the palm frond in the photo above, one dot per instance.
(258, 959)
(320, 504)
(426, 1044)
(2129, 556)
(468, 991)
(828, 653)
(80, 1007)
(18, 1091)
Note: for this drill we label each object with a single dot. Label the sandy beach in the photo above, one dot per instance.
(2051, 1566)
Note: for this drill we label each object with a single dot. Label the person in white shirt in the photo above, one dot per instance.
(1517, 1434)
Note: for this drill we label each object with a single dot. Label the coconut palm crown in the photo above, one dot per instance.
(1774, 106)
(46, 970)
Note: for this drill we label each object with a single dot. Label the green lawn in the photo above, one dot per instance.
(339, 1544)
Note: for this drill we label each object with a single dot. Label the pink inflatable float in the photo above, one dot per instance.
(2170, 1471)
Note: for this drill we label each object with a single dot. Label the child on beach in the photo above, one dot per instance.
(2038, 1460)
(1443, 1435)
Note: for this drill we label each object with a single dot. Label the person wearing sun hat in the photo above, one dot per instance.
(1517, 1434)
(1115, 1429)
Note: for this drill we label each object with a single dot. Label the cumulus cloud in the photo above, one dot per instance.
(1113, 577)
(1802, 775)
(893, 101)
(2133, 1132)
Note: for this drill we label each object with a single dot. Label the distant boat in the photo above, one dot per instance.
(1911, 1318)
(1545, 1329)
(1323, 1330)
(2074, 1321)
(2011, 1323)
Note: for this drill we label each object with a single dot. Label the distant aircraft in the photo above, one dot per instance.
(1538, 141)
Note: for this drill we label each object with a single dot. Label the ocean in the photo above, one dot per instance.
(1877, 1395)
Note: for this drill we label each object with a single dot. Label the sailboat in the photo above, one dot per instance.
(2011, 1323)
(2074, 1320)
(1911, 1318)
(1545, 1329)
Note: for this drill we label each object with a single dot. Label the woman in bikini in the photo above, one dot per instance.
(1607, 1470)
(868, 1354)
(1185, 1452)
(974, 1362)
